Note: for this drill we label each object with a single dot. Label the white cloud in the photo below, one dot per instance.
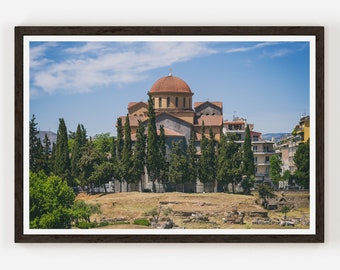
(249, 48)
(99, 64)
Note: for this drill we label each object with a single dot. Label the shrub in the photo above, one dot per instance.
(146, 190)
(141, 221)
(86, 225)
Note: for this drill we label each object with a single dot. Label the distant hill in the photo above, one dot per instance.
(275, 136)
(51, 135)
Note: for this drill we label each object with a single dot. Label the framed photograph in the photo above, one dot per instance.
(169, 134)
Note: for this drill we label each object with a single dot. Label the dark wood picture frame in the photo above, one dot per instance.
(22, 31)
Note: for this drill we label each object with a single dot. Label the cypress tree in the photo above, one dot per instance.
(120, 140)
(139, 154)
(152, 146)
(119, 150)
(78, 146)
(163, 163)
(192, 161)
(126, 162)
(36, 149)
(47, 155)
(203, 169)
(62, 160)
(248, 156)
(178, 166)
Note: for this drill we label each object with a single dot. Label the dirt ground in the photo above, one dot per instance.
(198, 210)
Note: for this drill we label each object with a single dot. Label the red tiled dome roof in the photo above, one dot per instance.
(170, 84)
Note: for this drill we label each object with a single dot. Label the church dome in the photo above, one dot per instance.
(170, 84)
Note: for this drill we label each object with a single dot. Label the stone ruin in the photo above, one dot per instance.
(234, 217)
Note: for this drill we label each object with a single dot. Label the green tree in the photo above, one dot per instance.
(178, 166)
(126, 161)
(36, 155)
(77, 150)
(139, 154)
(265, 193)
(192, 161)
(81, 211)
(62, 160)
(47, 164)
(120, 139)
(248, 155)
(51, 201)
(275, 169)
(90, 158)
(119, 150)
(103, 142)
(152, 161)
(101, 174)
(229, 167)
(207, 163)
(163, 162)
(301, 160)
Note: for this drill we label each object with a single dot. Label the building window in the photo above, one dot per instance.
(160, 102)
(183, 102)
(176, 102)
(267, 159)
(255, 148)
(167, 102)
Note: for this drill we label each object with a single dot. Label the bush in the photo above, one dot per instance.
(141, 221)
(86, 225)
(146, 190)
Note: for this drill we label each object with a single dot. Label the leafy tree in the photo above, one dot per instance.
(229, 169)
(139, 153)
(265, 192)
(51, 200)
(103, 143)
(155, 213)
(81, 211)
(152, 161)
(36, 150)
(192, 160)
(178, 166)
(287, 175)
(102, 173)
(62, 160)
(301, 160)
(90, 158)
(275, 169)
(248, 155)
(126, 161)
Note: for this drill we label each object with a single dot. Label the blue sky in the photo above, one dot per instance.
(91, 83)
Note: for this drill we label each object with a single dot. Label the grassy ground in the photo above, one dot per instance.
(211, 209)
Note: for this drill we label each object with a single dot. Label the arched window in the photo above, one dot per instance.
(176, 102)
(168, 102)
(184, 102)
(160, 102)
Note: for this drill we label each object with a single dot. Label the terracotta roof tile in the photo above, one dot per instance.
(131, 104)
(133, 120)
(210, 120)
(216, 103)
(170, 84)
(170, 133)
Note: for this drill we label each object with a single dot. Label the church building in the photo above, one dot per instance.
(174, 109)
(179, 116)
